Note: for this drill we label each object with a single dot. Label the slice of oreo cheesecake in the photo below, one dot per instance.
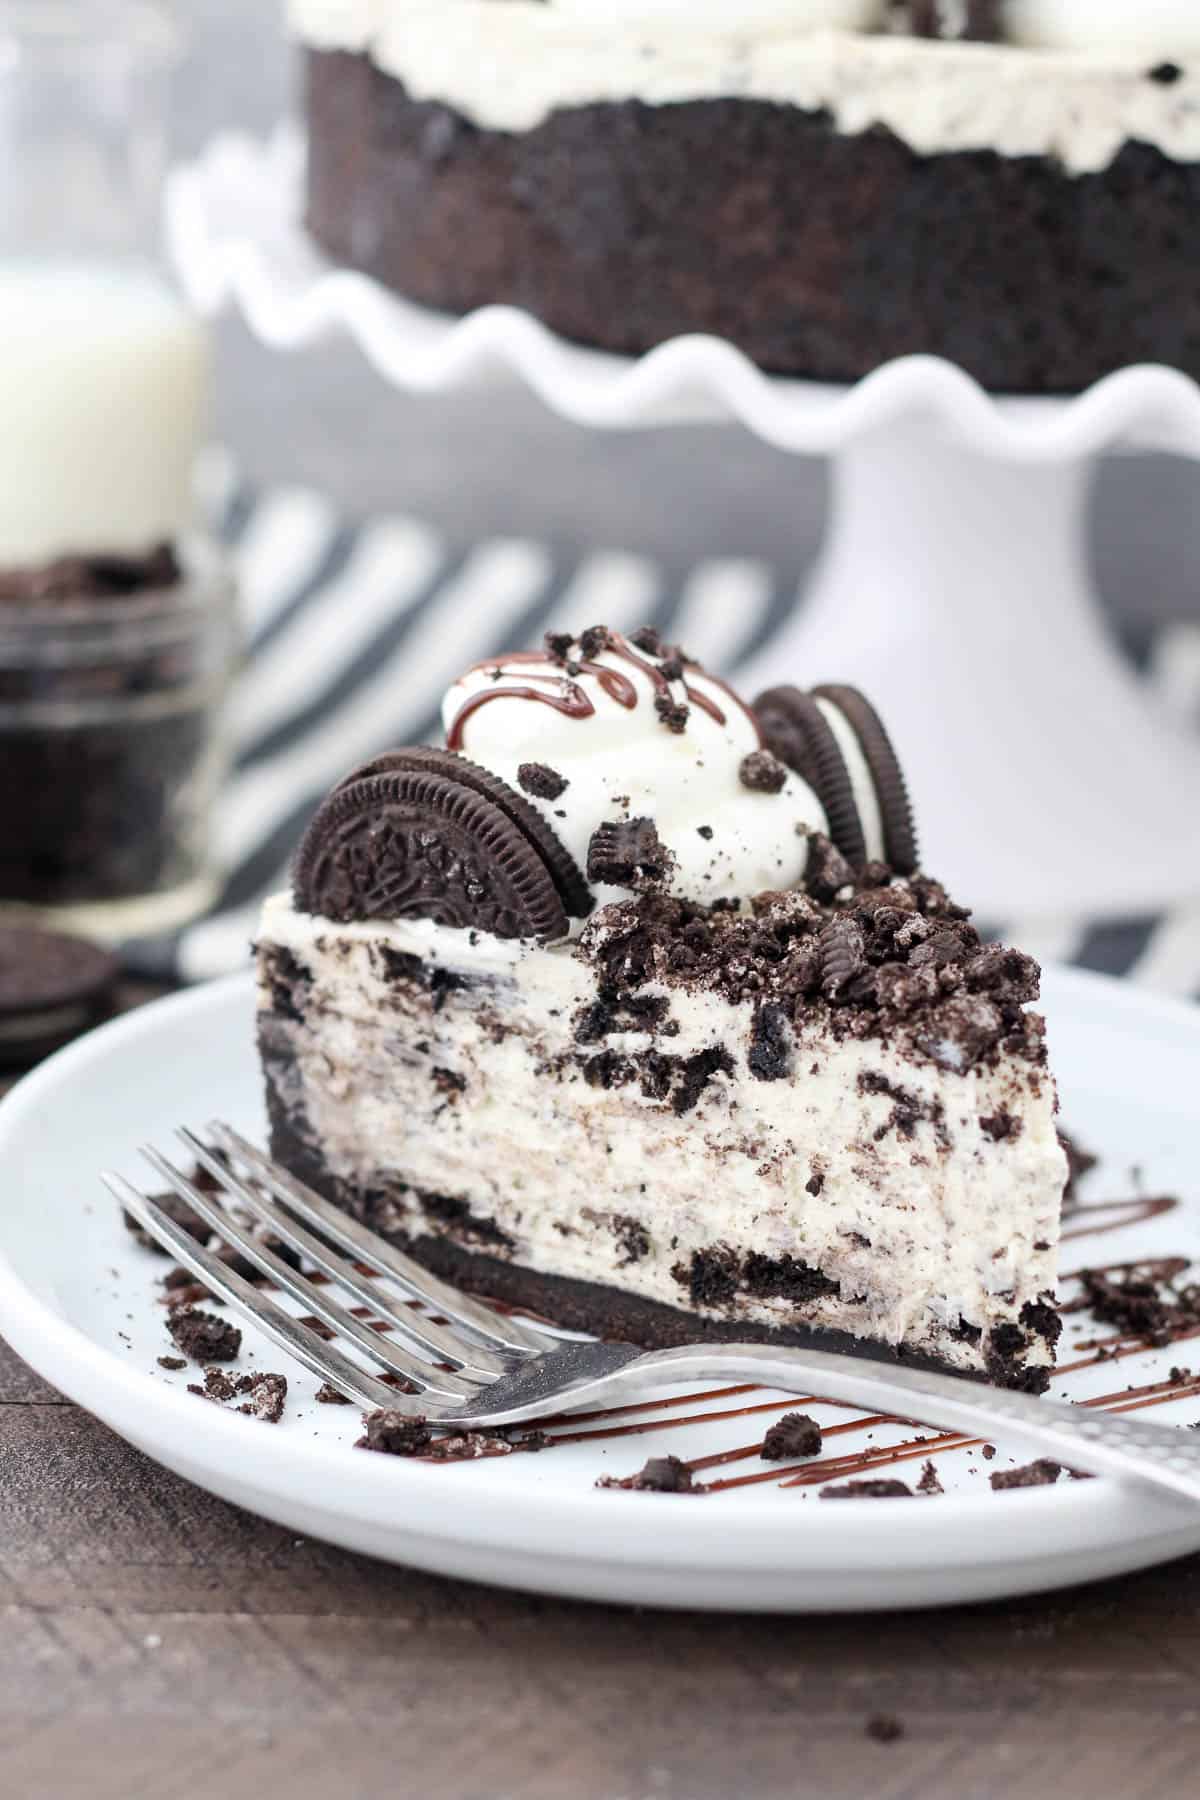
(631, 1006)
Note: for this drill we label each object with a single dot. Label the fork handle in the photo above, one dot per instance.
(1161, 1456)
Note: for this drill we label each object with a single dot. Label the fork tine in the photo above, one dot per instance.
(495, 1329)
(434, 1340)
(395, 1357)
(296, 1339)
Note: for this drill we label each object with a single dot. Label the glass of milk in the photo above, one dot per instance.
(109, 599)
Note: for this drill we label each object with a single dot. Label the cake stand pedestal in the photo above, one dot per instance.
(954, 584)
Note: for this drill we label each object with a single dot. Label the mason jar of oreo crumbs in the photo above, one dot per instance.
(113, 673)
(116, 617)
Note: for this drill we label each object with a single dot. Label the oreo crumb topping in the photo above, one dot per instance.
(1166, 74)
(629, 854)
(661, 1475)
(770, 1057)
(203, 1337)
(793, 1436)
(868, 1490)
(647, 639)
(329, 1396)
(827, 871)
(763, 773)
(1042, 1473)
(674, 714)
(172, 1362)
(887, 957)
(883, 1728)
(542, 782)
(841, 954)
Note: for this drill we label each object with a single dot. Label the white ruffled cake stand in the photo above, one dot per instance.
(954, 583)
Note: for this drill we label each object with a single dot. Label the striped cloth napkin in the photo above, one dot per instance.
(355, 630)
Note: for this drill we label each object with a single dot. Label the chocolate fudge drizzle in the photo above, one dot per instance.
(553, 681)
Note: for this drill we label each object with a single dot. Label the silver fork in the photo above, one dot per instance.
(468, 1367)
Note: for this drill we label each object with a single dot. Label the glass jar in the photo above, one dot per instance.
(111, 751)
(116, 620)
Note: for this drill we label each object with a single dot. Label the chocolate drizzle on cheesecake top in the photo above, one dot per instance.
(550, 677)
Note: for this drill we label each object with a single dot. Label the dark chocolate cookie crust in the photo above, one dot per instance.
(592, 1307)
(819, 254)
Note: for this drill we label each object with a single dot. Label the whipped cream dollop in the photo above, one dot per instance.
(617, 731)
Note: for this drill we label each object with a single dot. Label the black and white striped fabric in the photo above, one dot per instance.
(355, 631)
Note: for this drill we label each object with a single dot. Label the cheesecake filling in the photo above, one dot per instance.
(1075, 82)
(786, 1177)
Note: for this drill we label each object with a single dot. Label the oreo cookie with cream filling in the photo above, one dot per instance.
(796, 731)
(425, 759)
(899, 848)
(418, 844)
(52, 988)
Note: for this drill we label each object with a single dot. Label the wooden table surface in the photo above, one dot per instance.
(156, 1642)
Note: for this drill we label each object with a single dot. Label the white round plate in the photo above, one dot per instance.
(78, 1300)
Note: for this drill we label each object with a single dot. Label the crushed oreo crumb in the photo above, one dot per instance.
(929, 1483)
(763, 773)
(868, 1490)
(674, 714)
(630, 854)
(172, 1362)
(542, 782)
(395, 1433)
(266, 1396)
(883, 1728)
(792, 1436)
(661, 1475)
(204, 1338)
(329, 1396)
(180, 1213)
(1142, 1302)
(770, 1057)
(849, 961)
(1042, 1473)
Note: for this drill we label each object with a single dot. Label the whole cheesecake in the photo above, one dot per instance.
(631, 1007)
(1014, 184)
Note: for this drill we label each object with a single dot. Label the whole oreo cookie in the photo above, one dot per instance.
(895, 808)
(52, 987)
(962, 20)
(425, 759)
(416, 844)
(797, 732)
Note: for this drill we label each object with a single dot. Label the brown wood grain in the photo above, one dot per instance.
(157, 1642)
